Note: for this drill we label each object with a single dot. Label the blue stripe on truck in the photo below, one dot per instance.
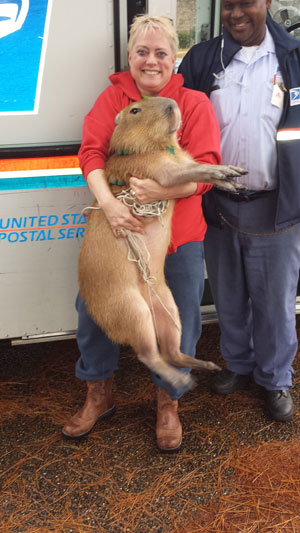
(41, 182)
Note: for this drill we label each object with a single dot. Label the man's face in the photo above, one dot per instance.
(245, 20)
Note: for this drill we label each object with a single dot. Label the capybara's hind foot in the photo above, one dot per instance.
(204, 365)
(181, 379)
(168, 373)
(209, 365)
(185, 361)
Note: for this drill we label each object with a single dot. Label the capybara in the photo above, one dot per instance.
(129, 309)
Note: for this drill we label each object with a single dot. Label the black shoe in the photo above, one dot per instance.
(280, 405)
(226, 382)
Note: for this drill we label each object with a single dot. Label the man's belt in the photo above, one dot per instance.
(242, 196)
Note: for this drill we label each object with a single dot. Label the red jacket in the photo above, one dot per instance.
(199, 135)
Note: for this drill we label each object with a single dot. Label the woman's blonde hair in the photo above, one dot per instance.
(142, 23)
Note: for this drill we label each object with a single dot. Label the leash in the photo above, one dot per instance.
(153, 209)
(136, 255)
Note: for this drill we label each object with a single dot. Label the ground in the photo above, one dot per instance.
(237, 471)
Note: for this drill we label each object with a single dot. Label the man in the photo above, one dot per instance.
(252, 246)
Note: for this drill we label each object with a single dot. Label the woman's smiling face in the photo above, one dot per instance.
(151, 61)
(245, 20)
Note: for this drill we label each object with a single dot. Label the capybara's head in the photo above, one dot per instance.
(147, 125)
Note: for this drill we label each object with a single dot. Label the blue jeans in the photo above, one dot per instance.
(184, 272)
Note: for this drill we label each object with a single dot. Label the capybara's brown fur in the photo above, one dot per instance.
(116, 296)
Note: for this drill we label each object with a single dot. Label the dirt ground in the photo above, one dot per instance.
(237, 471)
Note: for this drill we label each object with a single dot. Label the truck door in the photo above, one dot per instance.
(55, 59)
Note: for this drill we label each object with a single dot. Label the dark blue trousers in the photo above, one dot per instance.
(253, 273)
(184, 272)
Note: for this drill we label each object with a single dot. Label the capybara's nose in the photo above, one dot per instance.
(170, 109)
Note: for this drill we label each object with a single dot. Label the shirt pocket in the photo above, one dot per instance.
(224, 102)
(269, 112)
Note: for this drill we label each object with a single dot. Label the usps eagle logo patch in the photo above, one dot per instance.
(295, 96)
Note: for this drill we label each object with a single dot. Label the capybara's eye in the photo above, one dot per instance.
(135, 110)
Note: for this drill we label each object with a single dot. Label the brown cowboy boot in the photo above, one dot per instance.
(168, 426)
(98, 404)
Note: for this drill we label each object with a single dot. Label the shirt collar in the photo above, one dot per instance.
(266, 46)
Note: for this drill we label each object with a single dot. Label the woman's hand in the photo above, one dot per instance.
(118, 215)
(147, 190)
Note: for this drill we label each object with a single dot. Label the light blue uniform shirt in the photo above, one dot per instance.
(247, 119)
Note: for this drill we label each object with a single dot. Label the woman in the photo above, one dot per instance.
(152, 53)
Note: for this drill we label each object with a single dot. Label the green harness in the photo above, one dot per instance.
(113, 181)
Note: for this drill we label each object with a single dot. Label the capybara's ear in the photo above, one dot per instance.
(117, 119)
